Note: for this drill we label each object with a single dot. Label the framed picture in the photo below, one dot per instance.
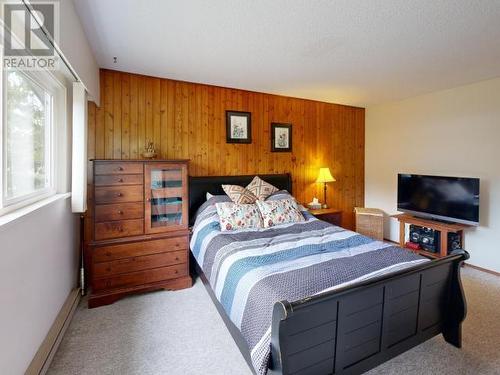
(281, 137)
(238, 127)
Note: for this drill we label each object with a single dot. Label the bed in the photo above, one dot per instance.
(312, 298)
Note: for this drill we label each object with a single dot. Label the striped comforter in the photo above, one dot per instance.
(250, 270)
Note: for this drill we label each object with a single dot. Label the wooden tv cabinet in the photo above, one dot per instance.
(440, 226)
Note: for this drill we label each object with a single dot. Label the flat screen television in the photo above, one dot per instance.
(454, 199)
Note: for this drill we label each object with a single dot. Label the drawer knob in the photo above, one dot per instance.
(120, 212)
(176, 258)
(119, 194)
(120, 180)
(176, 271)
(120, 168)
(120, 229)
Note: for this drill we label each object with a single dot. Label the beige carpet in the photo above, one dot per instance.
(480, 352)
(182, 333)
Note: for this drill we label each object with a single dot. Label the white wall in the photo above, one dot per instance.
(38, 269)
(76, 48)
(454, 132)
(39, 251)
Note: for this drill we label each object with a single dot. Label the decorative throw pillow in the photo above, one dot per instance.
(280, 194)
(279, 212)
(239, 194)
(233, 216)
(260, 188)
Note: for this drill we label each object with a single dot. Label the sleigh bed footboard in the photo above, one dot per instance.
(353, 329)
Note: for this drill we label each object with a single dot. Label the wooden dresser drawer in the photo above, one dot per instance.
(119, 211)
(136, 246)
(133, 249)
(121, 228)
(118, 179)
(117, 167)
(116, 267)
(118, 194)
(141, 277)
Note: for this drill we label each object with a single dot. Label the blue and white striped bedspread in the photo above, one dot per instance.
(250, 270)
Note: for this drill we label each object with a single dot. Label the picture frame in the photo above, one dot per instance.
(238, 127)
(281, 137)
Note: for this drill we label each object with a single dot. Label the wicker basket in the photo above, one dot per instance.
(370, 222)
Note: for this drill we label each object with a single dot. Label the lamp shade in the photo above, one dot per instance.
(325, 175)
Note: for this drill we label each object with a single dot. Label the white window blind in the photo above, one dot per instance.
(79, 160)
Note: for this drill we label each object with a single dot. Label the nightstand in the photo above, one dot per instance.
(330, 215)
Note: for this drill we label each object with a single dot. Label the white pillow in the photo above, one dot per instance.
(234, 216)
(279, 212)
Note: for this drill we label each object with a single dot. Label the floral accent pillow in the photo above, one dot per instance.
(279, 212)
(260, 188)
(239, 194)
(233, 216)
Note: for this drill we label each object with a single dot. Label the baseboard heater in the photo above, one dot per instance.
(43, 357)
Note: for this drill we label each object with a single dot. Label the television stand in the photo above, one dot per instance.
(440, 226)
(437, 220)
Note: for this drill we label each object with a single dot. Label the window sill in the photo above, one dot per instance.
(17, 214)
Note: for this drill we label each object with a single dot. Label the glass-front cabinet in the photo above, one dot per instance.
(166, 206)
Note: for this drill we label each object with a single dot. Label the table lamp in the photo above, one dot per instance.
(324, 177)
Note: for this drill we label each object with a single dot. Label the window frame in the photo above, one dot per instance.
(57, 90)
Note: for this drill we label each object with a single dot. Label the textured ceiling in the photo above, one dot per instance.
(356, 52)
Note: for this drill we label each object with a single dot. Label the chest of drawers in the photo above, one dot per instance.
(140, 238)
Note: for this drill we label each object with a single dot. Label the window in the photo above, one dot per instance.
(27, 138)
(30, 104)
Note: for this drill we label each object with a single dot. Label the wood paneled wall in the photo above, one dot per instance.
(187, 120)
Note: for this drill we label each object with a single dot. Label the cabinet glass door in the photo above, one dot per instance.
(166, 197)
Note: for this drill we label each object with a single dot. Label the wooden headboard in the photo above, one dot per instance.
(199, 186)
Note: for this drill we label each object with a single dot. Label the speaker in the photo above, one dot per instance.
(415, 233)
(454, 242)
(429, 239)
